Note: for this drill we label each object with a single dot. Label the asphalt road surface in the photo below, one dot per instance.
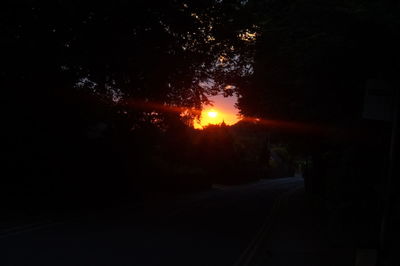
(222, 226)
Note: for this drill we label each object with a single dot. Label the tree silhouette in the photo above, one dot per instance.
(312, 58)
(90, 86)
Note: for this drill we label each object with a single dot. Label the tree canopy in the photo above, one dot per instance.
(161, 52)
(279, 56)
(312, 58)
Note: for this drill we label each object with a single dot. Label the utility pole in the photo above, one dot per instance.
(388, 192)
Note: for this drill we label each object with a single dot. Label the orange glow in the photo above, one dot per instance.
(226, 112)
(212, 114)
(222, 110)
(215, 117)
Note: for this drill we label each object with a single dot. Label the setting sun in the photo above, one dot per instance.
(212, 114)
(222, 110)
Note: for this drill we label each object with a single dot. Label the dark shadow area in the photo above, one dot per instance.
(100, 154)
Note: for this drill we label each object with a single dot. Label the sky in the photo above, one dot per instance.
(223, 109)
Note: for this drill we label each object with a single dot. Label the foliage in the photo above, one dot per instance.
(312, 58)
(158, 53)
(93, 91)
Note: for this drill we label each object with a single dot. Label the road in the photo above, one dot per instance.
(221, 226)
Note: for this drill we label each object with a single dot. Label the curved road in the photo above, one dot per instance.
(222, 226)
